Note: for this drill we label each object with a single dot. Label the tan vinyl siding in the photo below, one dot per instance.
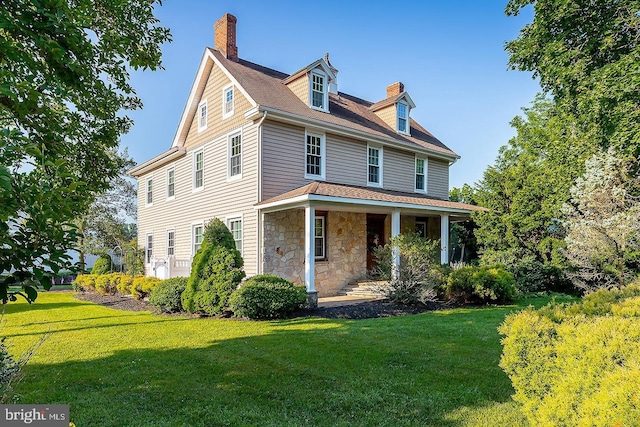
(300, 87)
(215, 124)
(282, 158)
(438, 179)
(388, 115)
(219, 198)
(398, 170)
(346, 160)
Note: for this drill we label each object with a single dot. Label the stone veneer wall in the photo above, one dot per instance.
(346, 249)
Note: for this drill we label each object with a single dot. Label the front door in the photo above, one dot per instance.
(375, 237)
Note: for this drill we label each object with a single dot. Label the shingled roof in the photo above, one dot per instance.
(353, 192)
(266, 87)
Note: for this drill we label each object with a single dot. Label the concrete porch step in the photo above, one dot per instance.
(365, 289)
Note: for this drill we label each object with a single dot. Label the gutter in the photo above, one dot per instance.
(345, 131)
(159, 160)
(259, 194)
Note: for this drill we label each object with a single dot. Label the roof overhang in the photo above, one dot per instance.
(295, 119)
(159, 160)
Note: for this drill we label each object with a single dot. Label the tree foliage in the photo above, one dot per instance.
(603, 223)
(586, 54)
(525, 190)
(63, 85)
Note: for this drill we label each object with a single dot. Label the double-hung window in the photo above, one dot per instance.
(149, 248)
(197, 236)
(235, 226)
(374, 166)
(235, 156)
(202, 116)
(228, 98)
(315, 156)
(198, 170)
(318, 91)
(171, 242)
(149, 194)
(171, 183)
(403, 118)
(319, 235)
(421, 176)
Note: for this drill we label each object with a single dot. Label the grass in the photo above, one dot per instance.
(118, 368)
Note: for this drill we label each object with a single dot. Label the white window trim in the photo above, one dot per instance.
(426, 169)
(229, 137)
(172, 168)
(324, 237)
(193, 171)
(171, 230)
(236, 217)
(323, 156)
(408, 125)
(381, 159)
(147, 259)
(224, 100)
(146, 192)
(202, 127)
(193, 236)
(325, 93)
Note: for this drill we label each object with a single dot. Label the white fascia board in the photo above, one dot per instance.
(156, 162)
(306, 198)
(345, 131)
(184, 120)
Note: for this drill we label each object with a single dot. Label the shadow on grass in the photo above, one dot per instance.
(412, 370)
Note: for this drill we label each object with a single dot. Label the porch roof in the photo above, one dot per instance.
(367, 197)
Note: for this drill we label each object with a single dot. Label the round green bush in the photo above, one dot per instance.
(475, 285)
(102, 265)
(166, 296)
(267, 297)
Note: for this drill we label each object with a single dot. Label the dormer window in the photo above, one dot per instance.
(318, 91)
(403, 118)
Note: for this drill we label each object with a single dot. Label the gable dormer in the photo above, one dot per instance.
(395, 109)
(313, 83)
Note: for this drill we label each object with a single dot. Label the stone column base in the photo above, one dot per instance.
(312, 300)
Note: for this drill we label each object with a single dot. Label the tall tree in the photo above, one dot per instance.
(603, 223)
(64, 83)
(586, 54)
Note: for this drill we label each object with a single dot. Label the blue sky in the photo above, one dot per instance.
(449, 55)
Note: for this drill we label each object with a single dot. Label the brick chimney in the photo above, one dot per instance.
(395, 89)
(224, 36)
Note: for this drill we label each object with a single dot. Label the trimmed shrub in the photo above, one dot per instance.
(104, 286)
(166, 296)
(486, 284)
(84, 282)
(534, 276)
(267, 297)
(102, 265)
(577, 364)
(125, 283)
(142, 286)
(216, 271)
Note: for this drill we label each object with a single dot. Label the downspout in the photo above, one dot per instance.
(259, 214)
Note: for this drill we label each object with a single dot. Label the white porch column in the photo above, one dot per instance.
(395, 231)
(444, 238)
(309, 255)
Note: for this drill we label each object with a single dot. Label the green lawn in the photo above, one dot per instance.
(118, 368)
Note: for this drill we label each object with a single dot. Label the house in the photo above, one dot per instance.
(307, 178)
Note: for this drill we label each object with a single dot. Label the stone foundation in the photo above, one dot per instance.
(346, 249)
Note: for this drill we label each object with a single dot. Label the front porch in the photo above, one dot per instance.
(321, 236)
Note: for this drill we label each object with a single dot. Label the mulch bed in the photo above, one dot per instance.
(365, 310)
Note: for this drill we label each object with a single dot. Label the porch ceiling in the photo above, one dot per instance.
(329, 196)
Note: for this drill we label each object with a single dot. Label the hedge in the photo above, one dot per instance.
(577, 364)
(267, 297)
